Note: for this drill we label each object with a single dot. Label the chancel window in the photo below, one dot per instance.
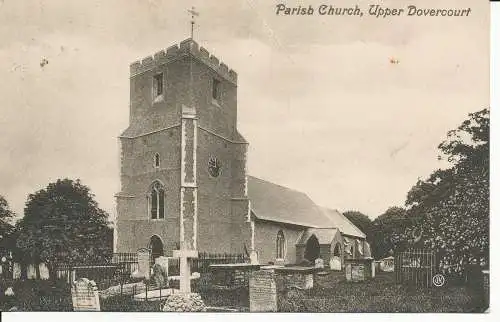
(280, 245)
(157, 201)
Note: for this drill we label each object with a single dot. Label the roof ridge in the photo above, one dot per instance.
(281, 186)
(344, 218)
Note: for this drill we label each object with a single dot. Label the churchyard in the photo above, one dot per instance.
(226, 284)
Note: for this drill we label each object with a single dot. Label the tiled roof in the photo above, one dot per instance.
(342, 223)
(324, 235)
(273, 202)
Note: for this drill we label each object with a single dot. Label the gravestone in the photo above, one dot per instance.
(254, 258)
(263, 295)
(85, 296)
(387, 264)
(16, 271)
(486, 288)
(44, 271)
(354, 271)
(31, 272)
(335, 263)
(319, 263)
(373, 268)
(295, 277)
(143, 263)
(358, 273)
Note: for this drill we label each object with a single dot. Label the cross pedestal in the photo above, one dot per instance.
(185, 269)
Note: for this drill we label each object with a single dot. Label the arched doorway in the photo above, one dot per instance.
(312, 249)
(156, 247)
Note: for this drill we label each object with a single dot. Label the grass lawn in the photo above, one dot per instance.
(332, 293)
(36, 296)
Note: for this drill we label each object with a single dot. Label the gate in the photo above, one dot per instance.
(415, 267)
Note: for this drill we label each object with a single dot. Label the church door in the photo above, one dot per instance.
(156, 247)
(312, 249)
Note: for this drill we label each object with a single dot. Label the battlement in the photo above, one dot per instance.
(186, 47)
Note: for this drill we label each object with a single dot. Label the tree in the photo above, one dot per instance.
(6, 214)
(451, 207)
(387, 229)
(63, 224)
(360, 220)
(6, 228)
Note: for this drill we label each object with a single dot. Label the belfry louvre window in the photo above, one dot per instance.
(215, 89)
(280, 245)
(157, 201)
(157, 85)
(157, 160)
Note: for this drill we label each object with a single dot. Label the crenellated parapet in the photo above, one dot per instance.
(186, 47)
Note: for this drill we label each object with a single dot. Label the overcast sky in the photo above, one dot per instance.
(322, 106)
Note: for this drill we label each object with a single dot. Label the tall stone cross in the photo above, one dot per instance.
(189, 197)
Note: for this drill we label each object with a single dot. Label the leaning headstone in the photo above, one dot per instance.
(143, 269)
(85, 296)
(335, 263)
(319, 263)
(263, 295)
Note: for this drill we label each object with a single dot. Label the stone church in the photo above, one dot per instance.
(184, 181)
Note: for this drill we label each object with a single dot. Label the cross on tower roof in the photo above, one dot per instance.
(193, 14)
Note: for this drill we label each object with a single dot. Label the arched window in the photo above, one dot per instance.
(280, 245)
(336, 250)
(157, 160)
(157, 201)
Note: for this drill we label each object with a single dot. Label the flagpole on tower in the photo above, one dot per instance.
(193, 13)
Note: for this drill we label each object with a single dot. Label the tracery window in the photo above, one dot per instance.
(157, 201)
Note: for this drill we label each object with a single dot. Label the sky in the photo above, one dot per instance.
(324, 109)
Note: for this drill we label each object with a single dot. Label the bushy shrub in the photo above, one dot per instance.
(182, 302)
(160, 276)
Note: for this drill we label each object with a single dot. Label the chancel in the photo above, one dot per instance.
(184, 181)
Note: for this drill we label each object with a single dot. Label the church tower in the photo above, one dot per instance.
(183, 161)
